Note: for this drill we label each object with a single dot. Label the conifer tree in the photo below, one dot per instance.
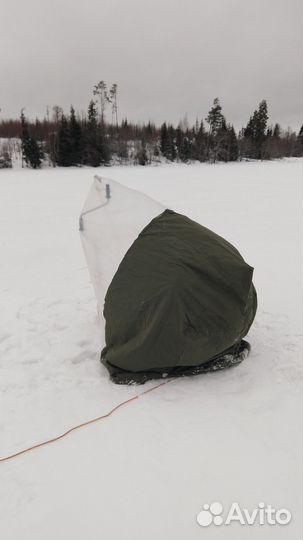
(164, 139)
(5, 157)
(64, 146)
(92, 143)
(25, 137)
(183, 145)
(255, 131)
(142, 154)
(200, 142)
(32, 152)
(233, 145)
(179, 140)
(96, 150)
(217, 132)
(75, 138)
(272, 147)
(277, 131)
(167, 143)
(262, 117)
(172, 154)
(221, 143)
(299, 143)
(186, 149)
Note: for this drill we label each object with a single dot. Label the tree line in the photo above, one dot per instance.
(89, 139)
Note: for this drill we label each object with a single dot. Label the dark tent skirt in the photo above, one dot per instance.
(229, 358)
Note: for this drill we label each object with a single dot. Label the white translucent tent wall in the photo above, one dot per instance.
(112, 218)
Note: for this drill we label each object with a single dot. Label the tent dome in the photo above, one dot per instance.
(179, 299)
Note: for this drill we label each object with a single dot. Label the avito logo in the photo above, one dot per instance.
(261, 515)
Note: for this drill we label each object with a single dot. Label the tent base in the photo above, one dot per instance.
(229, 358)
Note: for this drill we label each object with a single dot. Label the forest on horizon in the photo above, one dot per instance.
(61, 139)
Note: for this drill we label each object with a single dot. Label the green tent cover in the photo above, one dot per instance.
(180, 303)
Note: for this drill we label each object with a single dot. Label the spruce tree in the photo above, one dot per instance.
(5, 157)
(32, 152)
(186, 149)
(96, 150)
(92, 146)
(272, 148)
(201, 143)
(277, 131)
(221, 143)
(217, 132)
(164, 139)
(255, 132)
(233, 147)
(262, 117)
(142, 154)
(183, 145)
(64, 145)
(299, 143)
(167, 142)
(25, 138)
(179, 140)
(75, 138)
(172, 154)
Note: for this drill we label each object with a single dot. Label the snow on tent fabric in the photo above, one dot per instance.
(177, 299)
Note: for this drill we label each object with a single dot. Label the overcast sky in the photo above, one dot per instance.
(168, 57)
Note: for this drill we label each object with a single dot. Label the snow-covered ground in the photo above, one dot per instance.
(145, 472)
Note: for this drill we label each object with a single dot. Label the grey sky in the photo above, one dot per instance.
(168, 57)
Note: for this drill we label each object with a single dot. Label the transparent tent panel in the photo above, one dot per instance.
(112, 218)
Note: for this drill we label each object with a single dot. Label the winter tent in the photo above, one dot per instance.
(177, 298)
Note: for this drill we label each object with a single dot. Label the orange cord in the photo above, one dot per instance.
(106, 415)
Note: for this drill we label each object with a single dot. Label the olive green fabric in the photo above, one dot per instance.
(181, 296)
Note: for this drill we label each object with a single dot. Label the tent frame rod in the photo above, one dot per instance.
(107, 195)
